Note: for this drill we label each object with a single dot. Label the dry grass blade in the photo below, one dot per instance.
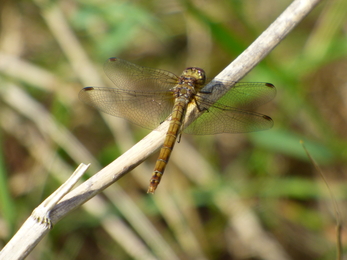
(335, 206)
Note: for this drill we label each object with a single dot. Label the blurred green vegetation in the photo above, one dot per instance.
(217, 189)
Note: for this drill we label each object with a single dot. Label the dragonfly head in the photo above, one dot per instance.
(195, 75)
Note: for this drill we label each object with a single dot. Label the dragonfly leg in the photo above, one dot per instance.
(201, 109)
(179, 138)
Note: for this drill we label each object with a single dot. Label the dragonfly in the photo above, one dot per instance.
(147, 97)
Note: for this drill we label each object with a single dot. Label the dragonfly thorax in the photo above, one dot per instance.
(194, 77)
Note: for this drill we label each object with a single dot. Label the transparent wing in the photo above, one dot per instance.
(129, 76)
(142, 95)
(229, 114)
(147, 110)
(228, 120)
(244, 95)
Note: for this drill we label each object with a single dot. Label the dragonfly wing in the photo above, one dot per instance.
(244, 95)
(147, 110)
(222, 119)
(230, 114)
(128, 76)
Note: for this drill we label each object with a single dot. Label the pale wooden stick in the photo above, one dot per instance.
(41, 213)
(39, 223)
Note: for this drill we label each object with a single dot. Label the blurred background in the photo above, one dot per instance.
(229, 196)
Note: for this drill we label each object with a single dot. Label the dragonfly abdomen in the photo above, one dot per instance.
(170, 140)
